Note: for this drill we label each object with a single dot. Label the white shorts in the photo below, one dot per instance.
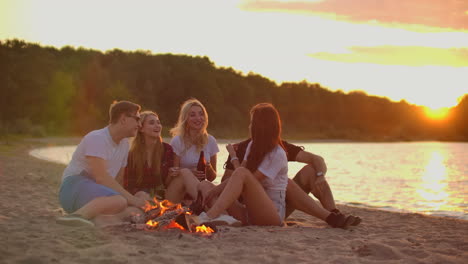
(279, 200)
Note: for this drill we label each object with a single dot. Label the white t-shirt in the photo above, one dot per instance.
(189, 157)
(275, 168)
(98, 143)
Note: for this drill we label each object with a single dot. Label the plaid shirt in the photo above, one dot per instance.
(149, 183)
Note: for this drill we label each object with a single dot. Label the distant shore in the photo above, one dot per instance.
(29, 208)
(76, 140)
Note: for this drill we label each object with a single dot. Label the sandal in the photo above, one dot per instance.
(74, 220)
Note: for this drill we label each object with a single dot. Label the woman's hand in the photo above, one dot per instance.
(231, 149)
(174, 171)
(199, 174)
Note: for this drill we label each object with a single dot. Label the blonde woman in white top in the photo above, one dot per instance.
(190, 138)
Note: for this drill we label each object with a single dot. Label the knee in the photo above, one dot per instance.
(309, 170)
(177, 183)
(205, 185)
(306, 174)
(185, 171)
(241, 173)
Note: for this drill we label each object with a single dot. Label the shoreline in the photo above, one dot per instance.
(30, 206)
(66, 142)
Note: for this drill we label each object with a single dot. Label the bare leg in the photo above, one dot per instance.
(186, 182)
(296, 198)
(236, 210)
(204, 187)
(102, 205)
(116, 219)
(305, 179)
(175, 191)
(143, 195)
(260, 208)
(325, 196)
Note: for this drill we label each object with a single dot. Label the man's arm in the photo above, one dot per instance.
(99, 172)
(120, 177)
(315, 161)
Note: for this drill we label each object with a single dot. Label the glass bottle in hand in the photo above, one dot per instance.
(201, 166)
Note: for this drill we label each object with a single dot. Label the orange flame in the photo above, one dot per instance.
(174, 224)
(204, 229)
(152, 223)
(164, 205)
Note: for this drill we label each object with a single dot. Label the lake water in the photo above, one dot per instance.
(423, 177)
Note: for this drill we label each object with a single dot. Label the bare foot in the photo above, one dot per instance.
(121, 218)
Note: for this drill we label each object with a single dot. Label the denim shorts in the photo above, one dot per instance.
(279, 200)
(78, 190)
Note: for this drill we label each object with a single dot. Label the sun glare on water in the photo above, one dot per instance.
(433, 187)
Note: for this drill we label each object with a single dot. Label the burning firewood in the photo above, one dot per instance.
(161, 215)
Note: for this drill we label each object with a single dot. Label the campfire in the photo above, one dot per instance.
(163, 215)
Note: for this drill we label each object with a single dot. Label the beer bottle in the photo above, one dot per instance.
(201, 166)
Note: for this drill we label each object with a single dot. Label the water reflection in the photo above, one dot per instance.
(434, 181)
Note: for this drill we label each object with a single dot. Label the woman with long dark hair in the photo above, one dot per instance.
(262, 177)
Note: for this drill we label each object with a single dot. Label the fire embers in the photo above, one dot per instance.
(163, 215)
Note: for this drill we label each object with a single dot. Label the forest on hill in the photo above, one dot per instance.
(49, 91)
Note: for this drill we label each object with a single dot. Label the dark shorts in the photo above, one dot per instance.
(78, 190)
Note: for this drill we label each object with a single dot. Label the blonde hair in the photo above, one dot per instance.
(181, 128)
(138, 153)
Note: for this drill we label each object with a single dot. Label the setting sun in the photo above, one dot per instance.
(438, 114)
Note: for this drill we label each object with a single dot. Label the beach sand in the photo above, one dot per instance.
(29, 234)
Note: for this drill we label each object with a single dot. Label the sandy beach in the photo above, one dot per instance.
(29, 234)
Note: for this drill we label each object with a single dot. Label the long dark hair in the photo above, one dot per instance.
(265, 130)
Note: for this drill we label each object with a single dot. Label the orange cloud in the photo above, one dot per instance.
(449, 14)
(395, 55)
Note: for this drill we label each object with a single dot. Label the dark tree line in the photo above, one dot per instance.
(67, 91)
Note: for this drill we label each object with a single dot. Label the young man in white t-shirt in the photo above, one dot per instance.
(89, 187)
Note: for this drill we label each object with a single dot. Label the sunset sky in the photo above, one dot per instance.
(415, 50)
